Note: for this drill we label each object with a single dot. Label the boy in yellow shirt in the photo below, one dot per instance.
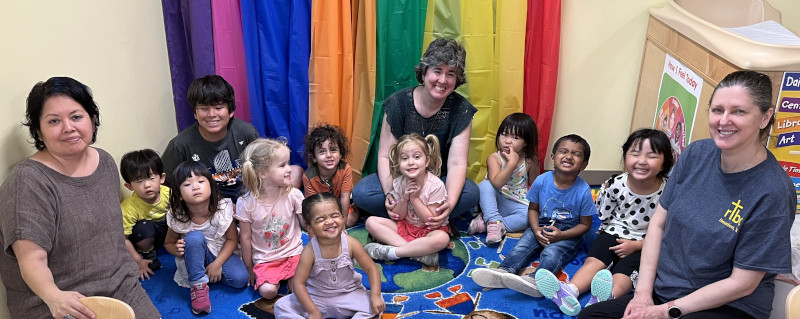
(144, 212)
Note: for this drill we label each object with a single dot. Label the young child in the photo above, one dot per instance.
(503, 203)
(270, 216)
(417, 191)
(202, 235)
(560, 212)
(626, 202)
(320, 291)
(326, 148)
(143, 212)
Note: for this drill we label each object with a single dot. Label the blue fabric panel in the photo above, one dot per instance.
(277, 50)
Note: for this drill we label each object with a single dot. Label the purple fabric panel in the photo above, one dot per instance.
(229, 52)
(190, 48)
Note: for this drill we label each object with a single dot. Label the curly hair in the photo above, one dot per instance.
(325, 132)
(444, 51)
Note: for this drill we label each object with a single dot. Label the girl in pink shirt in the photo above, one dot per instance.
(270, 216)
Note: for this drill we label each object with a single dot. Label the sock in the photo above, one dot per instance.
(392, 255)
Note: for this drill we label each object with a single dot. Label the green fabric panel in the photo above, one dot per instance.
(399, 39)
(447, 20)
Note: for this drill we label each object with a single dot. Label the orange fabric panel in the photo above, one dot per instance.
(364, 79)
(331, 65)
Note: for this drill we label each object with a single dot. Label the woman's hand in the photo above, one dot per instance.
(649, 312)
(443, 212)
(637, 305)
(214, 272)
(63, 303)
(392, 198)
(144, 269)
(180, 247)
(625, 247)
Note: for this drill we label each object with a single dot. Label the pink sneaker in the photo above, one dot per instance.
(200, 301)
(477, 225)
(495, 232)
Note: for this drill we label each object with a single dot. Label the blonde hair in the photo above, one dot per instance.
(257, 157)
(429, 145)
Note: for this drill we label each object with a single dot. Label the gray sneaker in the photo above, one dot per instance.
(489, 277)
(522, 284)
(428, 260)
(377, 251)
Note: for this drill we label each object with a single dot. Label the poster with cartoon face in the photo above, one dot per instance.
(678, 99)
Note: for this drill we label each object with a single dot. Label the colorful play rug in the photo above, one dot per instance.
(409, 289)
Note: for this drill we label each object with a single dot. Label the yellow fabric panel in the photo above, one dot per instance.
(477, 36)
(331, 65)
(364, 79)
(509, 68)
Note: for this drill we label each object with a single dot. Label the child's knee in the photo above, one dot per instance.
(268, 291)
(194, 238)
(238, 280)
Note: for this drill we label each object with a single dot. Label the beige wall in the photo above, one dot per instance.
(601, 53)
(117, 48)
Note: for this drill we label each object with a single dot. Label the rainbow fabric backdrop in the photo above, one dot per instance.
(294, 63)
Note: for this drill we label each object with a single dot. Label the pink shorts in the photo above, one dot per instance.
(274, 271)
(410, 232)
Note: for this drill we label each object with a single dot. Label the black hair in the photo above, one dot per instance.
(659, 143)
(140, 164)
(211, 89)
(54, 86)
(443, 51)
(321, 133)
(178, 207)
(522, 125)
(575, 138)
(759, 88)
(315, 199)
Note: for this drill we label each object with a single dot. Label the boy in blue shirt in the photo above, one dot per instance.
(144, 212)
(560, 213)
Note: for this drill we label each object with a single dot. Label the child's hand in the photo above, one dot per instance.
(539, 234)
(625, 248)
(412, 189)
(315, 315)
(252, 280)
(378, 305)
(180, 247)
(144, 270)
(214, 272)
(552, 233)
(511, 156)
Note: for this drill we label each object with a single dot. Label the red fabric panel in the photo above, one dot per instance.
(542, 39)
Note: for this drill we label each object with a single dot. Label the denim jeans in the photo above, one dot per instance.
(368, 195)
(552, 256)
(197, 256)
(496, 206)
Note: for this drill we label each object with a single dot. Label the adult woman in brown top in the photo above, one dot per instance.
(60, 219)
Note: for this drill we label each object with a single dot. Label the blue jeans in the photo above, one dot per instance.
(496, 206)
(368, 195)
(197, 256)
(552, 256)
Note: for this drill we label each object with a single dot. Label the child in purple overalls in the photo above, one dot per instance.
(326, 284)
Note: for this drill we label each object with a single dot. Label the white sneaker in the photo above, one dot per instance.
(489, 277)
